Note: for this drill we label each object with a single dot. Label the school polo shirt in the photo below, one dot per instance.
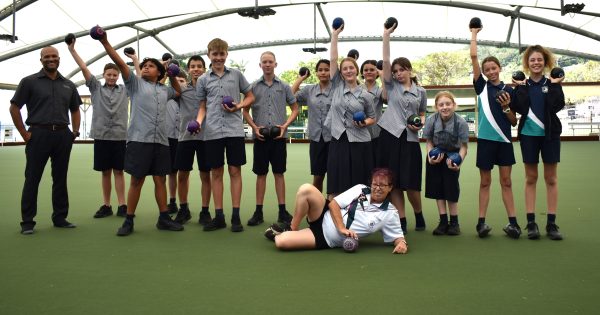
(377, 93)
(344, 103)
(269, 108)
(148, 110)
(401, 105)
(188, 111)
(319, 103)
(534, 123)
(368, 218)
(212, 88)
(492, 123)
(48, 101)
(434, 124)
(110, 111)
(172, 119)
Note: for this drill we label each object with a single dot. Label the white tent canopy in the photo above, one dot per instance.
(185, 27)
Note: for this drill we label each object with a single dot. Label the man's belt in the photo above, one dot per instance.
(49, 127)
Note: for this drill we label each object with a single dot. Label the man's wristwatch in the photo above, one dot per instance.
(76, 134)
(506, 110)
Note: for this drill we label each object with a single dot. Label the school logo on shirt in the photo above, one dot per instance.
(544, 89)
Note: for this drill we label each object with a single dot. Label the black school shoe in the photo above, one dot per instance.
(204, 218)
(285, 218)
(441, 229)
(512, 230)
(122, 211)
(103, 212)
(168, 224)
(236, 225)
(553, 232)
(183, 216)
(483, 230)
(64, 224)
(216, 224)
(172, 208)
(125, 229)
(256, 219)
(533, 232)
(453, 229)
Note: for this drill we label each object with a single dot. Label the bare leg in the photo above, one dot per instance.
(172, 185)
(507, 194)
(160, 192)
(120, 186)
(280, 188)
(318, 182)
(551, 178)
(183, 183)
(397, 199)
(531, 176)
(217, 186)
(414, 197)
(235, 175)
(261, 184)
(205, 190)
(309, 203)
(133, 195)
(106, 187)
(485, 180)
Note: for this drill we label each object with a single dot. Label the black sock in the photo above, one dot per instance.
(259, 209)
(512, 220)
(219, 213)
(164, 215)
(282, 209)
(419, 219)
(444, 218)
(172, 200)
(204, 210)
(551, 218)
(531, 217)
(403, 223)
(129, 218)
(235, 213)
(184, 207)
(454, 219)
(481, 221)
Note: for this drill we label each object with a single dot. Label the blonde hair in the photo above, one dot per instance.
(353, 62)
(268, 53)
(447, 94)
(549, 59)
(217, 44)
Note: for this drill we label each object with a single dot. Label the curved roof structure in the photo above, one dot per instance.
(185, 27)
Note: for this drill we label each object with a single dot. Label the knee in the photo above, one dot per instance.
(551, 180)
(485, 183)
(305, 189)
(235, 171)
(506, 182)
(282, 241)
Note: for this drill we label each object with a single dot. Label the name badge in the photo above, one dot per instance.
(544, 89)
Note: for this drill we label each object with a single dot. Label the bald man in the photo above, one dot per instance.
(48, 97)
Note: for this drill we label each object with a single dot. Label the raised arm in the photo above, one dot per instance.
(473, 52)
(333, 51)
(387, 65)
(84, 69)
(296, 85)
(136, 63)
(112, 53)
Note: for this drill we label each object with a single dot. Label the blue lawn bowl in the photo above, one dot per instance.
(304, 71)
(193, 126)
(129, 51)
(97, 32)
(455, 158)
(172, 70)
(518, 75)
(350, 245)
(557, 73)
(274, 132)
(228, 100)
(435, 152)
(69, 38)
(359, 117)
(390, 22)
(265, 132)
(337, 23)
(414, 120)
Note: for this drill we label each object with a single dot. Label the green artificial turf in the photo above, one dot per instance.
(89, 270)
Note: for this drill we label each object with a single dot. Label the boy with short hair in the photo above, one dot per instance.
(191, 144)
(147, 150)
(109, 130)
(268, 111)
(224, 129)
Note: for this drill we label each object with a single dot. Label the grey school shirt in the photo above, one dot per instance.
(443, 133)
(172, 119)
(188, 110)
(148, 110)
(110, 111)
(211, 88)
(319, 103)
(269, 108)
(344, 104)
(48, 101)
(377, 93)
(401, 105)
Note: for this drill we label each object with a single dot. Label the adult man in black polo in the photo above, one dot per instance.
(49, 97)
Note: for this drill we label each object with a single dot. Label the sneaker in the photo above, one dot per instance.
(126, 228)
(284, 217)
(256, 219)
(553, 232)
(204, 218)
(122, 211)
(453, 229)
(533, 232)
(276, 229)
(26, 230)
(64, 224)
(183, 216)
(236, 225)
(217, 223)
(441, 229)
(512, 230)
(172, 208)
(483, 230)
(103, 212)
(168, 224)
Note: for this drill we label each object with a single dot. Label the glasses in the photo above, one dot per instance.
(380, 186)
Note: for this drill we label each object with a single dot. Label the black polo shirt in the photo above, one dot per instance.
(48, 101)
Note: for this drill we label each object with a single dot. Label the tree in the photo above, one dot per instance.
(586, 72)
(241, 65)
(444, 68)
(290, 76)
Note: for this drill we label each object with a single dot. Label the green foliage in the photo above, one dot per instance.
(240, 65)
(586, 72)
(290, 76)
(443, 68)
